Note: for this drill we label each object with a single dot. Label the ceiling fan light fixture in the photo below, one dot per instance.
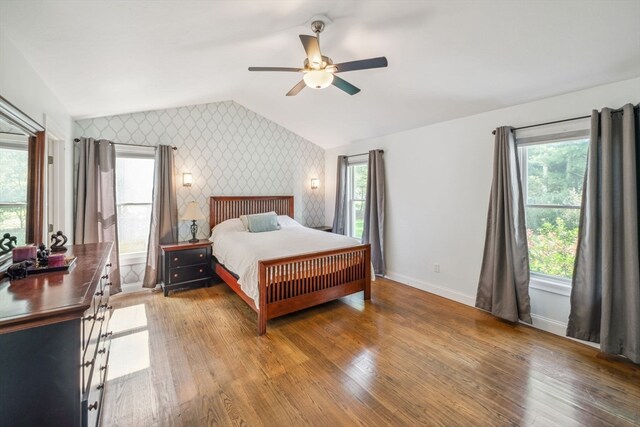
(318, 79)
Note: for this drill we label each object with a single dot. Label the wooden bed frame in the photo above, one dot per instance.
(296, 282)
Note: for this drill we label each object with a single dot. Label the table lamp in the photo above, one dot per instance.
(192, 213)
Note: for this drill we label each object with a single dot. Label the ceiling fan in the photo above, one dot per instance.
(319, 70)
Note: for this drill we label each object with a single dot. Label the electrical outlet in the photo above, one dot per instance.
(436, 268)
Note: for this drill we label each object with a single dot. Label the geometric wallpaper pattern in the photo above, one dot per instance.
(230, 150)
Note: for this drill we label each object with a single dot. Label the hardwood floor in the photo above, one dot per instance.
(405, 358)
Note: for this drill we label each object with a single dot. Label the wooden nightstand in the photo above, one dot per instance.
(185, 265)
(327, 228)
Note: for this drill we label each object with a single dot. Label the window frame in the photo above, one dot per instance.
(350, 196)
(18, 143)
(545, 282)
(134, 152)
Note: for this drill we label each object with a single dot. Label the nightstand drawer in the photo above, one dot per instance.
(187, 257)
(185, 274)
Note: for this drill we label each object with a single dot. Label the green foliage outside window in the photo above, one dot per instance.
(554, 175)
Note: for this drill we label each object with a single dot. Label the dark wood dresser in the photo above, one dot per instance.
(54, 343)
(185, 265)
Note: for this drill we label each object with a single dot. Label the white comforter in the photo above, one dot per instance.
(239, 250)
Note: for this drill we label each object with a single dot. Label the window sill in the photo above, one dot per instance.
(549, 284)
(133, 258)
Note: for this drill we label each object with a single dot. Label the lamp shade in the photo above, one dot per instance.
(192, 212)
(317, 79)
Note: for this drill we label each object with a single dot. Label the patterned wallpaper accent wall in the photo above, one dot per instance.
(229, 149)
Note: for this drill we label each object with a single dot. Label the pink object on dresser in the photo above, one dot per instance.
(22, 253)
(56, 260)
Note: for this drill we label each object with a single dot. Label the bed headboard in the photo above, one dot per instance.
(222, 208)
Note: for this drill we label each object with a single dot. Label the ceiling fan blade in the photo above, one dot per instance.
(275, 69)
(312, 48)
(344, 85)
(297, 88)
(362, 64)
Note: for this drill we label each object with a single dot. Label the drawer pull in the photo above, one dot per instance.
(175, 259)
(89, 363)
(100, 386)
(109, 265)
(108, 284)
(99, 293)
(99, 319)
(102, 350)
(110, 307)
(175, 275)
(103, 305)
(93, 406)
(200, 270)
(102, 368)
(201, 255)
(107, 334)
(91, 317)
(106, 276)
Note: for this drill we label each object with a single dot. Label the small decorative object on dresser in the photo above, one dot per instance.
(59, 240)
(185, 265)
(326, 228)
(193, 213)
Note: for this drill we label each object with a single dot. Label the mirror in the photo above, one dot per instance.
(21, 180)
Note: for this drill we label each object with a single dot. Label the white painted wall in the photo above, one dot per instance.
(438, 185)
(23, 87)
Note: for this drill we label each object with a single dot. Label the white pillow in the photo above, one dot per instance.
(287, 221)
(230, 225)
(245, 223)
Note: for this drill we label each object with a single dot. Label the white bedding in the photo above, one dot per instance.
(239, 250)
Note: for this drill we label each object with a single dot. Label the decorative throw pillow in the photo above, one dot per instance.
(263, 222)
(245, 222)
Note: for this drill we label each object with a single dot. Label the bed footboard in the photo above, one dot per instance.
(294, 283)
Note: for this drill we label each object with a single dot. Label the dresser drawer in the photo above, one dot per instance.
(186, 274)
(187, 257)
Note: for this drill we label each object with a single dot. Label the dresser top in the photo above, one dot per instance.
(51, 297)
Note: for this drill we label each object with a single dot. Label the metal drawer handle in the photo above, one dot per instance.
(175, 259)
(102, 368)
(89, 363)
(100, 386)
(90, 317)
(99, 319)
(107, 334)
(201, 255)
(106, 276)
(102, 350)
(100, 293)
(108, 284)
(201, 270)
(175, 275)
(93, 406)
(109, 265)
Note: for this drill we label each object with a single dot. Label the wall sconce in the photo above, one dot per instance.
(315, 183)
(187, 179)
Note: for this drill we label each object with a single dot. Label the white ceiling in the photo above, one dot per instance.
(447, 59)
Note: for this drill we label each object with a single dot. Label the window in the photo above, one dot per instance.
(357, 191)
(13, 186)
(134, 190)
(552, 179)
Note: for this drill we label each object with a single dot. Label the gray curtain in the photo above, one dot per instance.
(164, 212)
(503, 287)
(95, 210)
(340, 214)
(605, 296)
(373, 231)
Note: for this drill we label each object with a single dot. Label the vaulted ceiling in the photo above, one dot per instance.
(447, 59)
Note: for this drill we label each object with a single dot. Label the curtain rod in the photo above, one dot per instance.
(362, 154)
(549, 123)
(131, 145)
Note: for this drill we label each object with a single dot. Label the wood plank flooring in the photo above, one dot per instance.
(406, 358)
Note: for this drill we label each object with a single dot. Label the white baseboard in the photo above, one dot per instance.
(434, 289)
(549, 325)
